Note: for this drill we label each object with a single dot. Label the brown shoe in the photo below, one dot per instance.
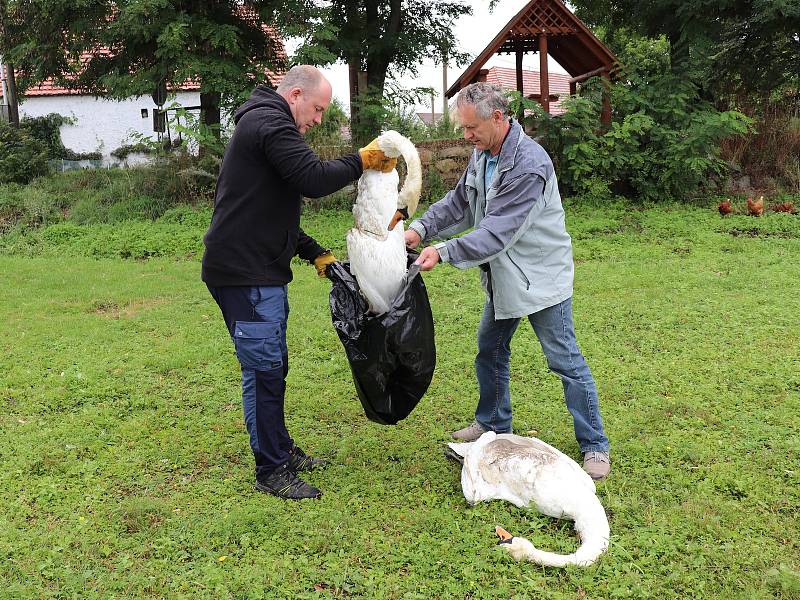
(470, 433)
(597, 465)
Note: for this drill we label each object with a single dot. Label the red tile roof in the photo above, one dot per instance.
(506, 78)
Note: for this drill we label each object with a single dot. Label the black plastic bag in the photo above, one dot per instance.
(392, 356)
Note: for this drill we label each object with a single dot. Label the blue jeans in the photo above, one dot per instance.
(256, 320)
(556, 332)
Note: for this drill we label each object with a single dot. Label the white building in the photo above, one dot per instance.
(103, 125)
(99, 124)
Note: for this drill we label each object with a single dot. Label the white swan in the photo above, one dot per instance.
(378, 254)
(527, 471)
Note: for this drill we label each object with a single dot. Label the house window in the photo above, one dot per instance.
(144, 113)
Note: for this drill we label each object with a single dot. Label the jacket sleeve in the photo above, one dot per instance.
(447, 217)
(297, 164)
(508, 216)
(307, 247)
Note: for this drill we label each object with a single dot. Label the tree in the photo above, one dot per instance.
(732, 45)
(135, 46)
(377, 38)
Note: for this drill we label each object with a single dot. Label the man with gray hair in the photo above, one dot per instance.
(254, 233)
(509, 196)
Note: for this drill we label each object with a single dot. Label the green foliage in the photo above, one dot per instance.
(127, 471)
(224, 46)
(377, 39)
(403, 119)
(445, 128)
(663, 142)
(107, 195)
(771, 156)
(433, 188)
(126, 149)
(207, 137)
(329, 132)
(750, 48)
(22, 156)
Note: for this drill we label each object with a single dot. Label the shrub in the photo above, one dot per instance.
(663, 142)
(433, 188)
(772, 154)
(22, 156)
(123, 151)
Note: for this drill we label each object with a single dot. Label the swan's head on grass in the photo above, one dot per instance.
(519, 548)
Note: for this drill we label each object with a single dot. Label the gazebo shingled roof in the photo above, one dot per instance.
(546, 27)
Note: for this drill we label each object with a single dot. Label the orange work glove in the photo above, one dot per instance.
(372, 157)
(322, 262)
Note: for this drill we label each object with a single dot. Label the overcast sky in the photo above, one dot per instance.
(473, 33)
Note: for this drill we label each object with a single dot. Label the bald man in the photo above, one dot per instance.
(254, 233)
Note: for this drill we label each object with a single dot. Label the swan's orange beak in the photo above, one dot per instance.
(505, 537)
(399, 215)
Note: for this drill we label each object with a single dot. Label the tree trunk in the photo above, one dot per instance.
(13, 101)
(209, 116)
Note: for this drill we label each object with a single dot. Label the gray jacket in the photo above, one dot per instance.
(519, 231)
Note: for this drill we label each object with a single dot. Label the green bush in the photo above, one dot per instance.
(663, 142)
(107, 195)
(22, 156)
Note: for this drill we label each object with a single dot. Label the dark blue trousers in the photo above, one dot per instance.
(256, 319)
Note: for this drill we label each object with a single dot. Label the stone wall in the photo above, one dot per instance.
(443, 162)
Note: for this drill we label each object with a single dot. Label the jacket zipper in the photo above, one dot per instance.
(521, 272)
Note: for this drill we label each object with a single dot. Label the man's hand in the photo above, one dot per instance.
(413, 239)
(322, 262)
(428, 259)
(372, 157)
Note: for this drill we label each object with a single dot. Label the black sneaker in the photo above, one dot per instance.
(300, 461)
(284, 483)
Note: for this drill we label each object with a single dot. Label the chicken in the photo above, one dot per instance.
(756, 208)
(787, 207)
(725, 207)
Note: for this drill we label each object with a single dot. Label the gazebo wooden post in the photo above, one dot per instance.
(544, 81)
(520, 85)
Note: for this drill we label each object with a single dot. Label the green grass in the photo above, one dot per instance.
(126, 470)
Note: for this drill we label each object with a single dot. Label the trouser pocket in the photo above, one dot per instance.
(258, 344)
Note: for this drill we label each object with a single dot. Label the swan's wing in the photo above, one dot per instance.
(536, 449)
(460, 448)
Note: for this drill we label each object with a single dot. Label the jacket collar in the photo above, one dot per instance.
(508, 151)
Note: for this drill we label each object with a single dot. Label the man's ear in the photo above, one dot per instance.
(295, 94)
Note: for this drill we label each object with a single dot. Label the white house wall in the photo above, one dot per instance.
(101, 125)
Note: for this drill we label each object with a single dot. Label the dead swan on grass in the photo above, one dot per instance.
(528, 472)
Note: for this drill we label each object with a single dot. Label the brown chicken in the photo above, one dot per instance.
(787, 207)
(725, 207)
(756, 208)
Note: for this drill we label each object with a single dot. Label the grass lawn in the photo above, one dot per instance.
(126, 470)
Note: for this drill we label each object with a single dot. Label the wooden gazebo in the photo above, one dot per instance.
(549, 28)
